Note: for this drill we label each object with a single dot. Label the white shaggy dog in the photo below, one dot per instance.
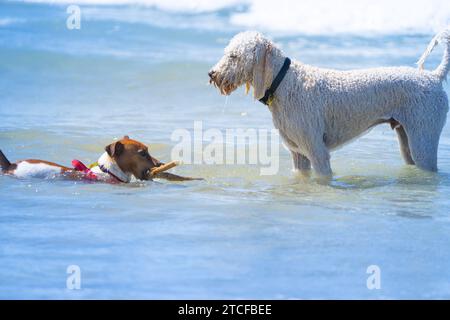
(317, 110)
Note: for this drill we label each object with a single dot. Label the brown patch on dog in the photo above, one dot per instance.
(394, 123)
(132, 157)
(37, 161)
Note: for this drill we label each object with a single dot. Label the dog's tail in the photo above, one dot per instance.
(442, 37)
(4, 162)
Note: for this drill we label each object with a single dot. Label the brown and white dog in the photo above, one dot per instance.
(121, 160)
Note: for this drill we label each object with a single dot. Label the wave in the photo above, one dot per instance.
(9, 21)
(167, 5)
(315, 17)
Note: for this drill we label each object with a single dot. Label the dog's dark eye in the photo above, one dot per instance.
(233, 56)
(143, 153)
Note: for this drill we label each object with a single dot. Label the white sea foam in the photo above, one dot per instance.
(169, 5)
(4, 22)
(311, 16)
(349, 16)
(9, 21)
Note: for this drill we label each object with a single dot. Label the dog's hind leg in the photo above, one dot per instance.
(423, 147)
(404, 144)
(423, 126)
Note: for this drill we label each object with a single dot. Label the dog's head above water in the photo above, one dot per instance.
(132, 157)
(248, 59)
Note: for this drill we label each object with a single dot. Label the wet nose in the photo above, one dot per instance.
(211, 73)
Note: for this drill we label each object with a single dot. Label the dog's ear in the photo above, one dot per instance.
(261, 70)
(114, 149)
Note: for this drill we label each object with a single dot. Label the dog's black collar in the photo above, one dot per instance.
(268, 95)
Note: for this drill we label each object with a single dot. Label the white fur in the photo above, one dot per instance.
(107, 162)
(317, 110)
(36, 170)
(442, 70)
(26, 169)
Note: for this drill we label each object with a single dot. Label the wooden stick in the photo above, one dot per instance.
(164, 167)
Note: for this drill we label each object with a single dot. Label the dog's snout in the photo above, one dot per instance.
(211, 73)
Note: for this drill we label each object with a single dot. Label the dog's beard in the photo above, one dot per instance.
(225, 87)
(247, 87)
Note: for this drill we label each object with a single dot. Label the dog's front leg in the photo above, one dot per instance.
(320, 160)
(301, 163)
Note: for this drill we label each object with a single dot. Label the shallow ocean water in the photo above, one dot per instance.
(143, 72)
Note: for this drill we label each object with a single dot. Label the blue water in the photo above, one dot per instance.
(66, 94)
